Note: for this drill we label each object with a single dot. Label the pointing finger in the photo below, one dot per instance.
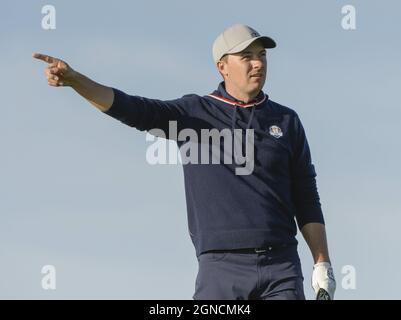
(44, 57)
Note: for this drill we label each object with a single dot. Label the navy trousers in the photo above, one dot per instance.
(275, 274)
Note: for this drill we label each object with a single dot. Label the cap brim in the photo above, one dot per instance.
(267, 42)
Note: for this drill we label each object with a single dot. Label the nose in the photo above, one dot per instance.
(258, 64)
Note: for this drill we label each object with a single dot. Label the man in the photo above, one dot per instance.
(242, 224)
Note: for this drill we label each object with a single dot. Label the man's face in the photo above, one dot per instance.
(246, 70)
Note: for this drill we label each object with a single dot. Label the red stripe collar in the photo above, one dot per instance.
(234, 103)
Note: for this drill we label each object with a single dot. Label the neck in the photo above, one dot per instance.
(239, 95)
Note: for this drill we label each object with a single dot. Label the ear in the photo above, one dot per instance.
(222, 67)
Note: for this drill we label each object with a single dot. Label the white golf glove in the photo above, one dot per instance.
(323, 278)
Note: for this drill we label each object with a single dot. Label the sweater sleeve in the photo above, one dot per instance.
(147, 114)
(303, 176)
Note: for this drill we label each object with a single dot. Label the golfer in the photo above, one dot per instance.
(243, 213)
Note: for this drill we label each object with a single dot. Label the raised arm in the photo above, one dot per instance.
(59, 74)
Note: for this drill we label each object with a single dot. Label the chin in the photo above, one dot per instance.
(257, 85)
(255, 89)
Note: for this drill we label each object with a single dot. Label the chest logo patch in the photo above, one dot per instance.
(275, 131)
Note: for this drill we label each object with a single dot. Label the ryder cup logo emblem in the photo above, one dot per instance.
(275, 132)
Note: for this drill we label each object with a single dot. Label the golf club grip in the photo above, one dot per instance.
(322, 295)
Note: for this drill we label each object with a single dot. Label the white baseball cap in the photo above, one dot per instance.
(236, 38)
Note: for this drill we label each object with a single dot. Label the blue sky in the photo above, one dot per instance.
(76, 190)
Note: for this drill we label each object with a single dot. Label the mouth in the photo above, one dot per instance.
(257, 78)
(258, 75)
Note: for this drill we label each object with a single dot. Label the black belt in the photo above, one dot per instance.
(250, 250)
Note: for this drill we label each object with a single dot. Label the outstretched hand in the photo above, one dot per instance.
(58, 72)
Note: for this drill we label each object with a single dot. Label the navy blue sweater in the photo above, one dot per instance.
(226, 210)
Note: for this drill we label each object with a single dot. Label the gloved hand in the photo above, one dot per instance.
(323, 278)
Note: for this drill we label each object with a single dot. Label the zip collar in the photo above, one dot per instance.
(239, 104)
(222, 95)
